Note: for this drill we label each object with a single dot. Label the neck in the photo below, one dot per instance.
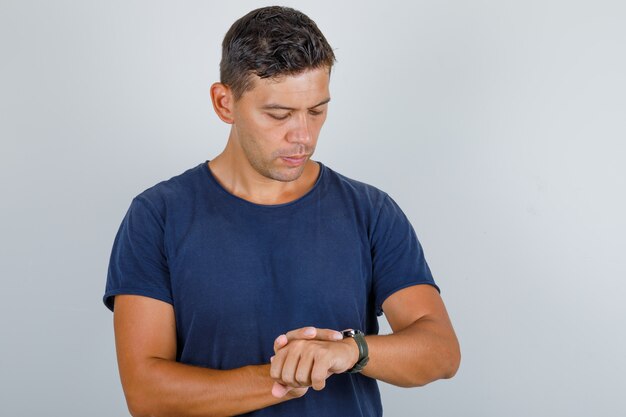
(233, 171)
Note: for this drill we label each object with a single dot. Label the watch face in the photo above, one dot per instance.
(348, 333)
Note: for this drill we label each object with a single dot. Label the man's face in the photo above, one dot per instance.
(277, 123)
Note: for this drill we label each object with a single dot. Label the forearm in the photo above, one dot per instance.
(421, 353)
(167, 388)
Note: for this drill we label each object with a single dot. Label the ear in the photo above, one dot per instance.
(223, 102)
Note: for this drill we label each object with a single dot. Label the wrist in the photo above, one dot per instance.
(353, 350)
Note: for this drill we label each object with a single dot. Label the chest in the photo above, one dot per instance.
(271, 275)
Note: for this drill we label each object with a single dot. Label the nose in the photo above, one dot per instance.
(299, 130)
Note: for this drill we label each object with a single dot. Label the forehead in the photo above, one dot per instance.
(300, 90)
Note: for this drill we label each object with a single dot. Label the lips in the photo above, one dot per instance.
(294, 160)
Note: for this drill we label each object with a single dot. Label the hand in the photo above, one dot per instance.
(305, 333)
(304, 363)
(280, 391)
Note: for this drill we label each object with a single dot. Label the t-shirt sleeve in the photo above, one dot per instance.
(397, 256)
(138, 263)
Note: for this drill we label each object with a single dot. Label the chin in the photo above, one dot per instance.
(286, 174)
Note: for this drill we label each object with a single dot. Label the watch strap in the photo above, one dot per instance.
(359, 338)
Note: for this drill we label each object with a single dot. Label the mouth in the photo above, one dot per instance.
(294, 160)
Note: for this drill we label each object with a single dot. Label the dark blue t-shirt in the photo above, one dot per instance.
(238, 274)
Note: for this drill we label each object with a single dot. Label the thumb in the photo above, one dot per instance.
(279, 390)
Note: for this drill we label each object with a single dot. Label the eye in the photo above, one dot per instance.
(315, 113)
(278, 117)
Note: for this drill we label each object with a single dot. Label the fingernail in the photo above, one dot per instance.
(272, 359)
(309, 332)
(337, 336)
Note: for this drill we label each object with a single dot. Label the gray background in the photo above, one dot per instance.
(498, 126)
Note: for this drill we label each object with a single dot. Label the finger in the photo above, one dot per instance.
(297, 392)
(313, 333)
(280, 342)
(303, 372)
(302, 333)
(276, 365)
(280, 390)
(319, 373)
(288, 373)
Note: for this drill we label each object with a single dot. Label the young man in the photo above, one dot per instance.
(232, 281)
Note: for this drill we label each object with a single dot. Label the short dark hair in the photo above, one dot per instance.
(271, 42)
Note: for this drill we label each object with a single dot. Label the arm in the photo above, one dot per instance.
(422, 348)
(156, 385)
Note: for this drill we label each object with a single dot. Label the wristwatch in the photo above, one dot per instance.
(359, 338)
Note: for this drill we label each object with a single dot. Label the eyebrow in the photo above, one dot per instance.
(280, 107)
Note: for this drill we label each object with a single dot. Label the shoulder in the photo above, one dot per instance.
(361, 193)
(174, 191)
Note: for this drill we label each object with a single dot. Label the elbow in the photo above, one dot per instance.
(451, 360)
(136, 412)
(452, 365)
(138, 407)
(142, 393)
(445, 367)
(140, 402)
